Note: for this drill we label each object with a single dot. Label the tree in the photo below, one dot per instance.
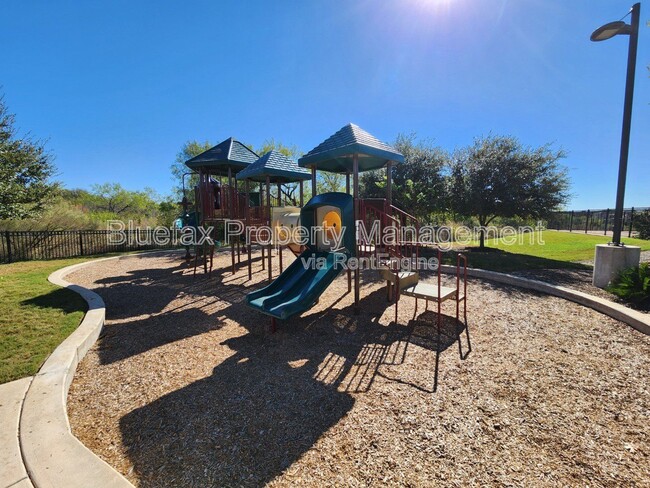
(168, 212)
(60, 214)
(25, 172)
(289, 190)
(498, 177)
(642, 224)
(330, 182)
(418, 184)
(326, 182)
(292, 151)
(189, 150)
(112, 201)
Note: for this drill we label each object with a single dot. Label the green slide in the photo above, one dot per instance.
(297, 289)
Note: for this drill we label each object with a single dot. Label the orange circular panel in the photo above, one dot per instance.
(332, 224)
(282, 233)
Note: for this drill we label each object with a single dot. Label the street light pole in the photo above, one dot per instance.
(627, 122)
(611, 258)
(601, 34)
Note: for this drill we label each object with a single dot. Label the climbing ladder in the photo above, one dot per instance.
(399, 259)
(438, 293)
(396, 252)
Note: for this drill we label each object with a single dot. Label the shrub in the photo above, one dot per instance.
(633, 285)
(642, 224)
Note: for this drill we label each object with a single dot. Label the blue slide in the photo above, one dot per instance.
(297, 289)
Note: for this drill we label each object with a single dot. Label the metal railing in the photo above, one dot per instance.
(593, 221)
(388, 216)
(39, 245)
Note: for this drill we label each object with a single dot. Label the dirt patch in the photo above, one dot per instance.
(186, 387)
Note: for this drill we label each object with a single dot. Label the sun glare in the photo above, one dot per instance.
(434, 5)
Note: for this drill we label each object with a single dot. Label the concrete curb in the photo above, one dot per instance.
(52, 455)
(638, 320)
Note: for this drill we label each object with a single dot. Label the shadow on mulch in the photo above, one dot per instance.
(270, 402)
(146, 293)
(121, 341)
(503, 261)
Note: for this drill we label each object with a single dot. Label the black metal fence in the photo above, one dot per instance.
(593, 221)
(34, 245)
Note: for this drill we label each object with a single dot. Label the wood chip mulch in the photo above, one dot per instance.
(187, 387)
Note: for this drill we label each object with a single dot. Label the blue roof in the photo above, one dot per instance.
(277, 166)
(227, 154)
(335, 154)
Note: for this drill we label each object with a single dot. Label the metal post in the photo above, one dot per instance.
(238, 216)
(268, 204)
(347, 183)
(355, 183)
(230, 195)
(8, 238)
(230, 216)
(248, 223)
(261, 216)
(302, 198)
(313, 181)
(280, 204)
(629, 234)
(389, 183)
(627, 122)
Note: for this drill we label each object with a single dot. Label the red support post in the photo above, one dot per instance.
(268, 205)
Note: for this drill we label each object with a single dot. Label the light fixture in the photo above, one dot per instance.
(608, 31)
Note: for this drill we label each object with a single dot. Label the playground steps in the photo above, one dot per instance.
(406, 278)
(429, 291)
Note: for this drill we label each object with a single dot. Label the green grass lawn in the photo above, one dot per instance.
(558, 250)
(35, 315)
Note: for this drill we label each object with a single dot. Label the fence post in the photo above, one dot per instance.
(571, 222)
(629, 234)
(606, 221)
(81, 243)
(587, 221)
(8, 238)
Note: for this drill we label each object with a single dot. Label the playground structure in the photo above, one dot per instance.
(350, 151)
(218, 196)
(216, 200)
(277, 169)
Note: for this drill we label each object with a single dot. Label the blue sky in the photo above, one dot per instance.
(116, 87)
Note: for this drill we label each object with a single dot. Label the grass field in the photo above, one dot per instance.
(554, 250)
(35, 315)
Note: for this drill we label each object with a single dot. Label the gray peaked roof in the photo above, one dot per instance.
(277, 166)
(335, 154)
(227, 154)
